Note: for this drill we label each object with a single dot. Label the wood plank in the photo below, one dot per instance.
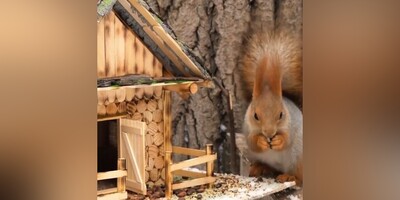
(187, 173)
(111, 174)
(177, 49)
(145, 13)
(168, 174)
(148, 62)
(139, 57)
(113, 196)
(188, 151)
(133, 159)
(141, 87)
(101, 65)
(209, 165)
(107, 191)
(127, 5)
(193, 162)
(109, 44)
(130, 55)
(194, 182)
(136, 187)
(117, 116)
(158, 69)
(119, 30)
(121, 181)
(131, 130)
(167, 121)
(171, 55)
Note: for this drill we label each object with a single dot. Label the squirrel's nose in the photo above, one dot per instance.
(269, 133)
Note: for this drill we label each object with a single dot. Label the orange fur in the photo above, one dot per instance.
(258, 169)
(282, 50)
(258, 142)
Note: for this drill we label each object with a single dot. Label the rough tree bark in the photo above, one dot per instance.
(215, 30)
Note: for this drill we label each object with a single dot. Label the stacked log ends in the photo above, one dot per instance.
(157, 116)
(148, 139)
(122, 107)
(111, 109)
(137, 116)
(154, 175)
(152, 105)
(101, 109)
(159, 162)
(142, 107)
(112, 102)
(158, 138)
(153, 151)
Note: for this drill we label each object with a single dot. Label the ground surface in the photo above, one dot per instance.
(227, 187)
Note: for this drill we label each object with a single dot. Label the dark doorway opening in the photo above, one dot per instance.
(107, 150)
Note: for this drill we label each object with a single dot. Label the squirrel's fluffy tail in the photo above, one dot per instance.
(285, 49)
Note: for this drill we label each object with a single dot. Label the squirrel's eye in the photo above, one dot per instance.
(255, 116)
(280, 115)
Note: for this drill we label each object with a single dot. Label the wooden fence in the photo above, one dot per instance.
(120, 174)
(201, 157)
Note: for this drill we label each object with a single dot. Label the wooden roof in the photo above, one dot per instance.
(156, 35)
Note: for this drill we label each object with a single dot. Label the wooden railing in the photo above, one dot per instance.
(120, 174)
(201, 157)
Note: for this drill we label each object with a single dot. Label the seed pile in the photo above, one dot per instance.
(226, 186)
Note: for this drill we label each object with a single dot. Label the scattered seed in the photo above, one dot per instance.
(181, 194)
(191, 191)
(200, 190)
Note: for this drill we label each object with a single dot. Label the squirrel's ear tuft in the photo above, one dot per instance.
(268, 76)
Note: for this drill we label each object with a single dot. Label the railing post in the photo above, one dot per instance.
(121, 181)
(168, 175)
(210, 164)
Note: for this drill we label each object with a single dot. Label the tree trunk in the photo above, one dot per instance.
(215, 30)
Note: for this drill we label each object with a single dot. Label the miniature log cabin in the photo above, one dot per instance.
(139, 62)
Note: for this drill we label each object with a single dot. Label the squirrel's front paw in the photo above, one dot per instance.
(278, 141)
(262, 143)
(258, 142)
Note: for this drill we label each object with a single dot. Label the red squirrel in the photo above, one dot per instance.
(273, 123)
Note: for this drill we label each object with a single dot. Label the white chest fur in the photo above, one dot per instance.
(280, 160)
